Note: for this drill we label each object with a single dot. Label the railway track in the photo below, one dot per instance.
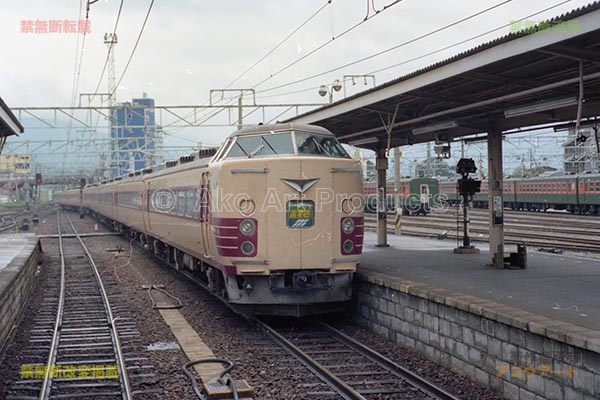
(542, 233)
(519, 218)
(79, 347)
(348, 369)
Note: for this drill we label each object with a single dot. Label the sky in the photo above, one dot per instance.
(189, 47)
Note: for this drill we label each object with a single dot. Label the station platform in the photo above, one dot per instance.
(564, 288)
(19, 257)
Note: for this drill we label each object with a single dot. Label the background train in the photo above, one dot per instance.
(416, 195)
(272, 221)
(578, 194)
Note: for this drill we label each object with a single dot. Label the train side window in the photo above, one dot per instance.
(173, 209)
(181, 202)
(189, 202)
(196, 206)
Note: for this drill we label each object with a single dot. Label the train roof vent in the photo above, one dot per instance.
(185, 159)
(205, 153)
(171, 164)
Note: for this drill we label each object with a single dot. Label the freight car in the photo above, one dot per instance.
(272, 221)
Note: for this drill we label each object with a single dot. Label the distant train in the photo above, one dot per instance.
(416, 195)
(272, 221)
(577, 194)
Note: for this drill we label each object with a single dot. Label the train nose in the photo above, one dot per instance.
(307, 214)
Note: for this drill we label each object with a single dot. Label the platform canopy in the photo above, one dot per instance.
(523, 79)
(9, 124)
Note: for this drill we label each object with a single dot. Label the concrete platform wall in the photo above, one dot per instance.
(516, 353)
(16, 280)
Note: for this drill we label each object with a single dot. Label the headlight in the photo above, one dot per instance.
(348, 246)
(348, 225)
(247, 227)
(247, 248)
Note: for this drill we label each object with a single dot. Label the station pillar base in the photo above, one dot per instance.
(466, 250)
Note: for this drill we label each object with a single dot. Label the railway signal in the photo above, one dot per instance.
(38, 178)
(467, 187)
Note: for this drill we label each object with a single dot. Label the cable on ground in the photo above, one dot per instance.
(224, 377)
(178, 304)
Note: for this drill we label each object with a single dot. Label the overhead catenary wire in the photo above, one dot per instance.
(110, 49)
(280, 43)
(137, 41)
(472, 37)
(85, 29)
(405, 43)
(77, 52)
(316, 49)
(211, 114)
(420, 56)
(324, 44)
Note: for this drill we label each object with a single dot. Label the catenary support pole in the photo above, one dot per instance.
(381, 164)
(495, 200)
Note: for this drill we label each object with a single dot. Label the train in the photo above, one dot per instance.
(415, 195)
(272, 220)
(577, 194)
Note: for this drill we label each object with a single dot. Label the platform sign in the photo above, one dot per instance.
(300, 214)
(497, 209)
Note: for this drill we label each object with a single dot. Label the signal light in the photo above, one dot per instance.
(38, 179)
(82, 182)
(581, 139)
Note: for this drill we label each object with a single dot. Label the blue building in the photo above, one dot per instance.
(133, 135)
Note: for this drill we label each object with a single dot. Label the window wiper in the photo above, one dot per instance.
(256, 150)
(241, 148)
(321, 148)
(268, 144)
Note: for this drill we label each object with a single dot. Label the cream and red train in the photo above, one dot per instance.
(272, 221)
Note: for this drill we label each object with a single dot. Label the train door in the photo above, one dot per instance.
(424, 195)
(203, 214)
(145, 206)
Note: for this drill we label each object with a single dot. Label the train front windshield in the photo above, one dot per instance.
(273, 144)
(320, 145)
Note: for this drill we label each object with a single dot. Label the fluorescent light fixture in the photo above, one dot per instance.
(364, 141)
(540, 107)
(435, 127)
